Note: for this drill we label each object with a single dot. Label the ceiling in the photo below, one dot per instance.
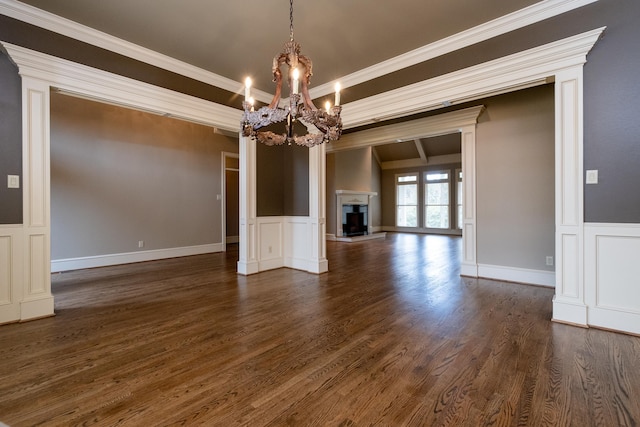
(236, 39)
(239, 38)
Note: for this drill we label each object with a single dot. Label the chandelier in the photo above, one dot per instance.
(321, 125)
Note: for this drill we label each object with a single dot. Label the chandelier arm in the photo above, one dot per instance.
(277, 78)
(306, 79)
(308, 103)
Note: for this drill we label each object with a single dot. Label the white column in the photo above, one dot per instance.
(37, 300)
(248, 262)
(318, 209)
(569, 301)
(469, 263)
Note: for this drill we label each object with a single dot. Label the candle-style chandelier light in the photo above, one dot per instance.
(321, 125)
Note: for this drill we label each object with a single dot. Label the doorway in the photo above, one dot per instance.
(231, 198)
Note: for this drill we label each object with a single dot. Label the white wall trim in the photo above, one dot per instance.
(518, 71)
(444, 159)
(90, 83)
(439, 124)
(502, 25)
(68, 264)
(519, 275)
(569, 305)
(36, 298)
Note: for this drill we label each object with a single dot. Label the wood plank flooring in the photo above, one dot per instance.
(391, 336)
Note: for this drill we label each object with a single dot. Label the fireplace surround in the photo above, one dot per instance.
(353, 215)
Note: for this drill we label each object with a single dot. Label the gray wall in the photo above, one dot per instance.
(612, 116)
(353, 169)
(10, 141)
(515, 180)
(119, 176)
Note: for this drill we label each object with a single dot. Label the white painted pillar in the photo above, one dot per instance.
(37, 300)
(469, 263)
(248, 262)
(318, 208)
(569, 301)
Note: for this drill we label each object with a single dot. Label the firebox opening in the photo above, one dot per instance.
(354, 220)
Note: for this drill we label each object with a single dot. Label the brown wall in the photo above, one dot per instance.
(282, 175)
(10, 142)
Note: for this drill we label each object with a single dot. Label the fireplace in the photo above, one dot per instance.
(355, 220)
(353, 214)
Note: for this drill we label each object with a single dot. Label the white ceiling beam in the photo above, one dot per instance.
(421, 152)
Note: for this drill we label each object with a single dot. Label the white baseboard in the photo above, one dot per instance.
(131, 257)
(469, 270)
(520, 275)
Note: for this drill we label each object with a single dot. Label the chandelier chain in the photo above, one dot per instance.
(291, 20)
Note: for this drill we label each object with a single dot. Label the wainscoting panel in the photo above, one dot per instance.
(612, 276)
(10, 273)
(298, 237)
(270, 243)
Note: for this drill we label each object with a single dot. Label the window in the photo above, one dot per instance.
(436, 196)
(459, 198)
(407, 200)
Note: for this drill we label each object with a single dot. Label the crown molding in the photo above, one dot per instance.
(86, 82)
(528, 68)
(513, 21)
(529, 15)
(440, 124)
(72, 29)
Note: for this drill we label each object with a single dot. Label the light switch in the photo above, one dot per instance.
(592, 176)
(13, 181)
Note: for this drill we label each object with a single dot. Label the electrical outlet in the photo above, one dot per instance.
(141, 243)
(549, 260)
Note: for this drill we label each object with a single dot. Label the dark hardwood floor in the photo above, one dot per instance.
(391, 336)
